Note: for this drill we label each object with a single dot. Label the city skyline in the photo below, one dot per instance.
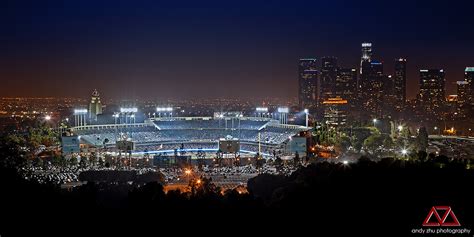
(162, 49)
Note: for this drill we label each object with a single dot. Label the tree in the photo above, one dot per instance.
(83, 162)
(296, 159)
(56, 160)
(73, 161)
(278, 163)
(422, 139)
(101, 162)
(343, 143)
(422, 155)
(11, 154)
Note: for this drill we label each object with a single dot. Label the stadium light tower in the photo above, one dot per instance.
(283, 111)
(261, 111)
(80, 117)
(164, 110)
(128, 112)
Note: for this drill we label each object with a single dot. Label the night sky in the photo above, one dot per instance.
(189, 48)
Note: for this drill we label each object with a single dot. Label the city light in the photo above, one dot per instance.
(128, 110)
(404, 152)
(47, 117)
(345, 162)
(374, 120)
(400, 128)
(306, 111)
(262, 109)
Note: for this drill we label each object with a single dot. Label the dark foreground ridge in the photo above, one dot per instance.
(391, 194)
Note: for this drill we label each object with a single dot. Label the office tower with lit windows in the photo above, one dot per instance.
(399, 83)
(432, 93)
(346, 86)
(469, 78)
(335, 111)
(463, 103)
(328, 78)
(366, 54)
(390, 98)
(308, 84)
(371, 88)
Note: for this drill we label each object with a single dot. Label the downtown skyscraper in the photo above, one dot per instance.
(328, 78)
(432, 92)
(469, 78)
(366, 54)
(346, 86)
(371, 87)
(399, 83)
(308, 84)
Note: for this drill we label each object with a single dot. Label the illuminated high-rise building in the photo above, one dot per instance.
(463, 103)
(366, 54)
(335, 111)
(399, 83)
(308, 83)
(346, 85)
(432, 93)
(371, 87)
(328, 78)
(95, 106)
(469, 78)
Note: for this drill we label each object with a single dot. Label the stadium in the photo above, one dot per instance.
(228, 134)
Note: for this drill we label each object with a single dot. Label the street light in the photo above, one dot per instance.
(374, 120)
(306, 111)
(404, 151)
(47, 117)
(345, 162)
(400, 128)
(187, 172)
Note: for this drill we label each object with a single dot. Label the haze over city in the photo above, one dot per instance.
(203, 49)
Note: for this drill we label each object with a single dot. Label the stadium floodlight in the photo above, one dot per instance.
(164, 109)
(80, 111)
(283, 110)
(128, 110)
(262, 109)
